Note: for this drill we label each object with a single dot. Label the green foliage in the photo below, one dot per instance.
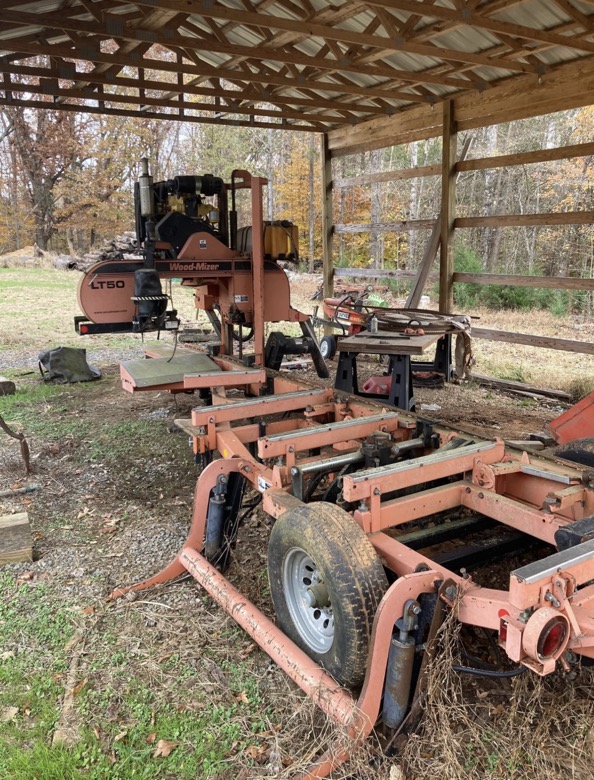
(466, 296)
(494, 296)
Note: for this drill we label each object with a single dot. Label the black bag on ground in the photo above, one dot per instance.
(67, 364)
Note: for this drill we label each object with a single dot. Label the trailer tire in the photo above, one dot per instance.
(326, 581)
(328, 347)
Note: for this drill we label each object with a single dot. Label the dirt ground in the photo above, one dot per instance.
(166, 685)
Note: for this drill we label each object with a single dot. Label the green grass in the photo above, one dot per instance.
(34, 629)
(113, 442)
(37, 307)
(47, 410)
(121, 712)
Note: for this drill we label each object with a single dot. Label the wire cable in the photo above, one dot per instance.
(490, 672)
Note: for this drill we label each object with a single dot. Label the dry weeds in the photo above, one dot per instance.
(524, 728)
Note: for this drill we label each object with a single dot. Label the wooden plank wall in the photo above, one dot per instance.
(448, 277)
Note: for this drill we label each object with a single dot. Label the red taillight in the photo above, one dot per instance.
(552, 638)
(83, 329)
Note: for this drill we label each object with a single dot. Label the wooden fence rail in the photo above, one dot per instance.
(546, 342)
(513, 280)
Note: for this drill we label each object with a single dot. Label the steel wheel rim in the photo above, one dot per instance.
(315, 624)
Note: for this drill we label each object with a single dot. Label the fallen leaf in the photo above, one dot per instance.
(257, 752)
(164, 748)
(244, 653)
(243, 697)
(107, 529)
(96, 732)
(8, 713)
(88, 610)
(151, 738)
(119, 737)
(482, 694)
(78, 687)
(25, 576)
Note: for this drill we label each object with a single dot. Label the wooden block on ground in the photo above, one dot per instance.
(7, 386)
(15, 538)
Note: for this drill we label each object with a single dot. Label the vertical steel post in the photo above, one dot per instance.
(258, 268)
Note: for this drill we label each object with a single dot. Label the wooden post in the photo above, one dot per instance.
(327, 223)
(448, 208)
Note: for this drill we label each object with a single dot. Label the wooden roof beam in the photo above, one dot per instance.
(136, 37)
(568, 86)
(477, 20)
(325, 32)
(52, 88)
(66, 51)
(175, 117)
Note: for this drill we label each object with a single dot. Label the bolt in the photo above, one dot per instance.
(481, 495)
(377, 492)
(291, 449)
(451, 592)
(211, 420)
(416, 609)
(553, 600)
(309, 408)
(294, 471)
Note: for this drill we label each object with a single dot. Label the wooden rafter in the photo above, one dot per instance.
(323, 65)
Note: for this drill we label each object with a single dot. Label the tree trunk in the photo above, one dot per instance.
(311, 206)
(414, 204)
(376, 243)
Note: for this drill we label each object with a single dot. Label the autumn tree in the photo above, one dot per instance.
(47, 143)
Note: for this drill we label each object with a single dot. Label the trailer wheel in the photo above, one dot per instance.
(326, 581)
(328, 347)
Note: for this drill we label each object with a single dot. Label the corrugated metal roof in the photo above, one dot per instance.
(345, 60)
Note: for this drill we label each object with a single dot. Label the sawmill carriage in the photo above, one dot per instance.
(363, 495)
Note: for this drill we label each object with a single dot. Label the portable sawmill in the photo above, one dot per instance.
(187, 229)
(381, 522)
